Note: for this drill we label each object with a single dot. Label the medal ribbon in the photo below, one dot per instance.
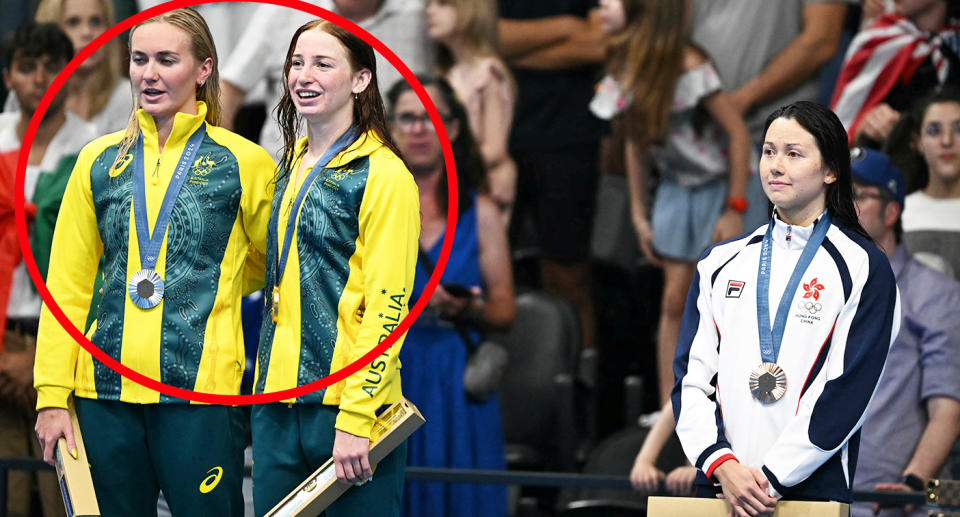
(770, 339)
(335, 149)
(150, 242)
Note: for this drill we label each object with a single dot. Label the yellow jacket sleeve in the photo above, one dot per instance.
(257, 170)
(389, 233)
(74, 256)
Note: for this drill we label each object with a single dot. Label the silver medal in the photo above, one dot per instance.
(146, 288)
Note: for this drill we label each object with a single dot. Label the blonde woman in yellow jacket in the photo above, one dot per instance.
(170, 208)
(342, 251)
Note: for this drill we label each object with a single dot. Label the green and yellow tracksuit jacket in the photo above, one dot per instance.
(346, 283)
(193, 338)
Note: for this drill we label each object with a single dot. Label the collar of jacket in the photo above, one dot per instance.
(184, 125)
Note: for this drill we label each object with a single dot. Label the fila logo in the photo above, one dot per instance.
(734, 288)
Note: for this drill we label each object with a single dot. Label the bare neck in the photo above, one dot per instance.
(461, 51)
(427, 180)
(82, 88)
(941, 188)
(802, 216)
(322, 135)
(887, 242)
(49, 126)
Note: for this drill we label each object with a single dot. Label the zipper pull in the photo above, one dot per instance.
(156, 172)
(789, 228)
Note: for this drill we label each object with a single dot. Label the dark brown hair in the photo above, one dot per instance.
(368, 111)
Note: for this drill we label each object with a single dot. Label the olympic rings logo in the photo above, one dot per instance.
(809, 307)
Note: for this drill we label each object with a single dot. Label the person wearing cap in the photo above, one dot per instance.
(919, 392)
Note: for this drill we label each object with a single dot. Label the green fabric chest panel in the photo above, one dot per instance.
(112, 190)
(327, 233)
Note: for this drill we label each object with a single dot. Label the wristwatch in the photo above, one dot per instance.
(914, 482)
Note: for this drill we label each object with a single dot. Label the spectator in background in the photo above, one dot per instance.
(554, 50)
(95, 92)
(915, 414)
(35, 54)
(15, 14)
(399, 24)
(931, 216)
(776, 62)
(899, 58)
(475, 292)
(675, 111)
(467, 55)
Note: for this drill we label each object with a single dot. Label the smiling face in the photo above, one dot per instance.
(163, 70)
(792, 171)
(940, 142)
(321, 79)
(82, 21)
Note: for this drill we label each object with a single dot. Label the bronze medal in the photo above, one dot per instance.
(768, 383)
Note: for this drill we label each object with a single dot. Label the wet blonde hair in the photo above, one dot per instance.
(107, 71)
(202, 47)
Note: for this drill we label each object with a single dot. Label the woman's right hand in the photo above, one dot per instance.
(645, 237)
(644, 476)
(52, 424)
(745, 488)
(449, 305)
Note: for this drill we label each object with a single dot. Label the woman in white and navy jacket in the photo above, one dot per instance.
(782, 344)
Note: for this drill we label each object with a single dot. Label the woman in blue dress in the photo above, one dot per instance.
(476, 291)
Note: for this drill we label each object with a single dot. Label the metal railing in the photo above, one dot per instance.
(501, 477)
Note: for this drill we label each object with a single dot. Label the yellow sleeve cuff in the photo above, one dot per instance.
(354, 423)
(52, 396)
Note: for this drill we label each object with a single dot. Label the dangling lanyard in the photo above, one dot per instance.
(768, 382)
(281, 263)
(146, 286)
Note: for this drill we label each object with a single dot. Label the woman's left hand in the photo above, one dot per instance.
(351, 458)
(680, 480)
(728, 226)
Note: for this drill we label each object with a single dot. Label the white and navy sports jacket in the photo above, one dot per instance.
(843, 317)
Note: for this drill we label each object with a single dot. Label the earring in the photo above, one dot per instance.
(356, 96)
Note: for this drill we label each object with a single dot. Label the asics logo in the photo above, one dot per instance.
(121, 165)
(210, 482)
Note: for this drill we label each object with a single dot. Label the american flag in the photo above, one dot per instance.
(880, 56)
